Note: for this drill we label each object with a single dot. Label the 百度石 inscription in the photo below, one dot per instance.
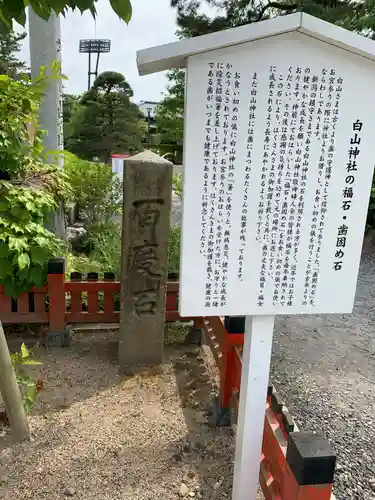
(143, 257)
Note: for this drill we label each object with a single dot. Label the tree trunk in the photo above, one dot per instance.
(11, 394)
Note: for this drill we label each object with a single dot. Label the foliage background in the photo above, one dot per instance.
(104, 120)
(30, 190)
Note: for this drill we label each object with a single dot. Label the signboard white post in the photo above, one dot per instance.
(278, 166)
(118, 164)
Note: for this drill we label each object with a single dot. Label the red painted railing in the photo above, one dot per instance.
(82, 299)
(294, 465)
(289, 468)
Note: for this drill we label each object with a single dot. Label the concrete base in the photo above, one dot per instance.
(59, 339)
(194, 336)
(220, 416)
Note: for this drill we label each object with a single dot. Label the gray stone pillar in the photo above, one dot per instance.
(145, 232)
(45, 48)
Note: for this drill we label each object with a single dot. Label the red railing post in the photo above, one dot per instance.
(58, 335)
(310, 467)
(233, 325)
(226, 381)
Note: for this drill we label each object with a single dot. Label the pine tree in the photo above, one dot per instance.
(106, 121)
(170, 112)
(10, 45)
(356, 15)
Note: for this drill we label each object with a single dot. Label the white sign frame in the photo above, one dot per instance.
(259, 329)
(342, 231)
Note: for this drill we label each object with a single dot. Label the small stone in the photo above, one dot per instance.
(69, 492)
(177, 457)
(192, 494)
(3, 476)
(211, 451)
(191, 474)
(217, 485)
(201, 443)
(187, 447)
(184, 490)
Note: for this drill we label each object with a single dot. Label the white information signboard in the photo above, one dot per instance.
(278, 167)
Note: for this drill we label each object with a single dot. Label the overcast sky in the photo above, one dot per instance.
(153, 23)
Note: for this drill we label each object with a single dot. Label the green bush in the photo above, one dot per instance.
(29, 190)
(174, 251)
(19, 102)
(177, 184)
(106, 254)
(82, 264)
(25, 245)
(96, 190)
(107, 250)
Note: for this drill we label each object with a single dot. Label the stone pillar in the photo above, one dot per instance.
(145, 232)
(45, 49)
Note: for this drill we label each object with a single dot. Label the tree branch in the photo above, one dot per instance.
(275, 5)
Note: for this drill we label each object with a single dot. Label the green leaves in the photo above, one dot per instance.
(34, 189)
(31, 362)
(39, 255)
(16, 9)
(24, 352)
(123, 9)
(16, 243)
(177, 184)
(30, 398)
(23, 261)
(37, 276)
(28, 385)
(25, 245)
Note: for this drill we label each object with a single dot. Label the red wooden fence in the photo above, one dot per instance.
(82, 299)
(294, 465)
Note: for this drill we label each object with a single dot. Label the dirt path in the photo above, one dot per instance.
(325, 368)
(96, 436)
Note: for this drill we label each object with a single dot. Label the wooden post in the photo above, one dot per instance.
(145, 231)
(309, 469)
(253, 395)
(11, 394)
(58, 335)
(233, 325)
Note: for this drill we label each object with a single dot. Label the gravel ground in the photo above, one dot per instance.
(99, 436)
(324, 367)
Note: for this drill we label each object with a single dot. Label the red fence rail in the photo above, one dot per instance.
(82, 299)
(294, 465)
